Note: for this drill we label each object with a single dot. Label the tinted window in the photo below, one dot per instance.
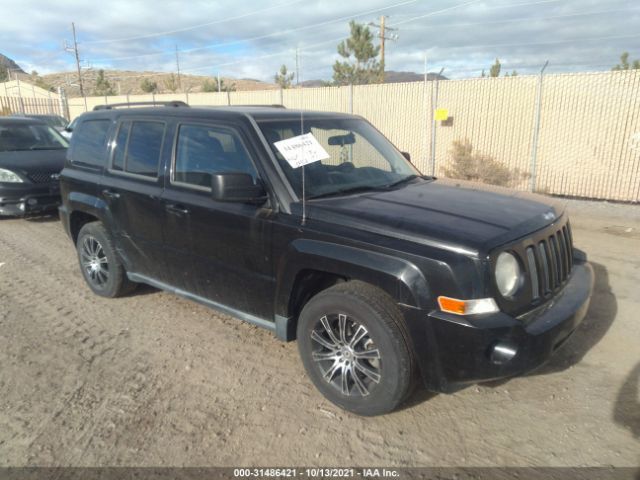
(89, 142)
(203, 150)
(138, 147)
(23, 136)
(120, 146)
(143, 150)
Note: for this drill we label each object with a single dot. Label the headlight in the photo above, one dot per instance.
(7, 176)
(507, 274)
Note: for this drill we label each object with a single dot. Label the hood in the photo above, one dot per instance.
(32, 161)
(459, 216)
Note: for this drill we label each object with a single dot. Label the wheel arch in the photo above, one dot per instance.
(310, 266)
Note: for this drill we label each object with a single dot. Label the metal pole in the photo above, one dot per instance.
(178, 68)
(77, 55)
(536, 129)
(351, 98)
(20, 93)
(434, 105)
(426, 113)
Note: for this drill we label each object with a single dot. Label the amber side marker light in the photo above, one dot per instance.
(467, 307)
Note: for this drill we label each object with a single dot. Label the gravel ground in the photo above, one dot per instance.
(156, 380)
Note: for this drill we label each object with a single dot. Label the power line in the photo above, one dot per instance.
(524, 19)
(193, 27)
(262, 37)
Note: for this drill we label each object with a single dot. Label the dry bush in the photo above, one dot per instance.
(474, 166)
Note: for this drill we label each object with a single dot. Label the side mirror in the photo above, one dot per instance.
(237, 187)
(406, 155)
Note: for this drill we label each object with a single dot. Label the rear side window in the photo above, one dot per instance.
(138, 148)
(90, 142)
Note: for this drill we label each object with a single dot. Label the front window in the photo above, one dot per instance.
(14, 137)
(360, 157)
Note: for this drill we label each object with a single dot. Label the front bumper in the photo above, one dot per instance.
(26, 199)
(458, 351)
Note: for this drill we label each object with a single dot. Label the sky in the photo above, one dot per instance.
(252, 39)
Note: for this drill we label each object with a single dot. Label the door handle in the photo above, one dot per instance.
(176, 209)
(110, 194)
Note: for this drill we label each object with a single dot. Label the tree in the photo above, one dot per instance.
(494, 71)
(283, 77)
(171, 83)
(483, 75)
(4, 73)
(148, 86)
(103, 86)
(212, 86)
(360, 65)
(624, 63)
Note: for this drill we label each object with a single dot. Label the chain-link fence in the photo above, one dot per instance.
(568, 134)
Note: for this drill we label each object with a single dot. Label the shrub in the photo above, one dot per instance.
(474, 166)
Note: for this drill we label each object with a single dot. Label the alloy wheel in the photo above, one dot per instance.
(94, 261)
(346, 355)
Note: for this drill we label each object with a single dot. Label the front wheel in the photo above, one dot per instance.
(353, 346)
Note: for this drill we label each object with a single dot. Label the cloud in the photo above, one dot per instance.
(572, 34)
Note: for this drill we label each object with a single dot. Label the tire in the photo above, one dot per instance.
(370, 370)
(99, 264)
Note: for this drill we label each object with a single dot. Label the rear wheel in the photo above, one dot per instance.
(352, 343)
(100, 266)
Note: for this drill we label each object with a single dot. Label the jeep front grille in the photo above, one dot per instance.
(550, 261)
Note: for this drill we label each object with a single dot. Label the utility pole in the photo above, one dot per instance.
(297, 75)
(382, 36)
(74, 50)
(178, 68)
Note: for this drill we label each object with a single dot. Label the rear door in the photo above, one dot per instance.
(132, 185)
(217, 250)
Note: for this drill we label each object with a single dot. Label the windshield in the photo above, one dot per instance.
(15, 137)
(54, 121)
(360, 157)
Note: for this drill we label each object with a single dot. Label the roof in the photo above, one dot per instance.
(21, 121)
(240, 111)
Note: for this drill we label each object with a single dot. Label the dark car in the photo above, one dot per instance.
(384, 276)
(31, 157)
(55, 121)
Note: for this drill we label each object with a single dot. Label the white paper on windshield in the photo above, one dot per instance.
(301, 150)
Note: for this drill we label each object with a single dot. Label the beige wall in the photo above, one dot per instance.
(589, 137)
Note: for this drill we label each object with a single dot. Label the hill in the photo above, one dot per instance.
(128, 82)
(12, 66)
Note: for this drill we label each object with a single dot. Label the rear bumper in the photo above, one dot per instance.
(460, 351)
(26, 199)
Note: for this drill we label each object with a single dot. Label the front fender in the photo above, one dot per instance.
(400, 278)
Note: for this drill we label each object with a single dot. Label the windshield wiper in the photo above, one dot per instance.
(406, 179)
(344, 191)
(47, 148)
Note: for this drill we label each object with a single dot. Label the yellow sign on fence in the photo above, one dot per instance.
(442, 114)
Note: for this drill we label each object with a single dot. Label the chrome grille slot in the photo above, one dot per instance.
(533, 273)
(546, 277)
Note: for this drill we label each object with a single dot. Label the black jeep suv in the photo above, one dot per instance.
(383, 275)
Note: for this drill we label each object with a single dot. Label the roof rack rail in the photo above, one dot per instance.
(172, 103)
(272, 105)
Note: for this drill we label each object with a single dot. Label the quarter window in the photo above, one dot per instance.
(90, 141)
(203, 150)
(138, 147)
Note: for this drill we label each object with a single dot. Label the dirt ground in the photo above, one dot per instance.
(155, 380)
